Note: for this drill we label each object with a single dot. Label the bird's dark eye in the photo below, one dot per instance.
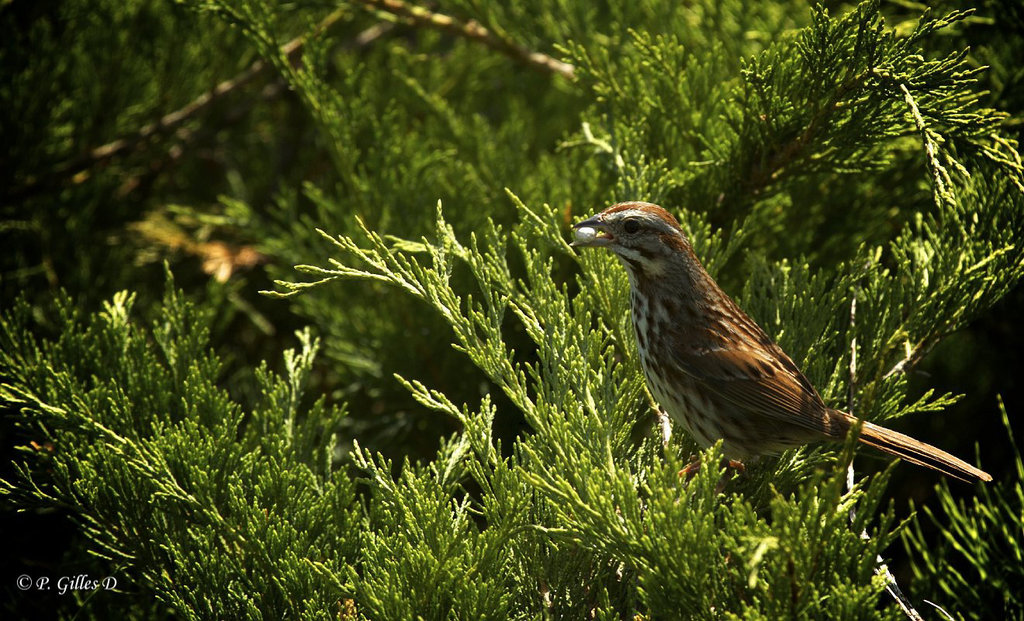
(631, 225)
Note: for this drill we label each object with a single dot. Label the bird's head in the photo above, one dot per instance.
(644, 236)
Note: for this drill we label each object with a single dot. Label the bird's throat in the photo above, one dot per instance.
(640, 266)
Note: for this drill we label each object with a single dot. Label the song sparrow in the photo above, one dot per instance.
(710, 366)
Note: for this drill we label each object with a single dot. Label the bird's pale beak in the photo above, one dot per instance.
(592, 233)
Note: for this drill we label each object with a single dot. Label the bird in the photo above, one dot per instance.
(711, 367)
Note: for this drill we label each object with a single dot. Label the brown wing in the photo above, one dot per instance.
(760, 382)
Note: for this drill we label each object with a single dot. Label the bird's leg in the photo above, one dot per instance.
(734, 464)
(691, 468)
(730, 465)
(660, 415)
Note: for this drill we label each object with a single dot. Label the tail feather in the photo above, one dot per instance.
(916, 452)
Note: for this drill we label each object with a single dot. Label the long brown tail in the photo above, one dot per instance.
(915, 451)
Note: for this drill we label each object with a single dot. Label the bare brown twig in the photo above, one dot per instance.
(891, 586)
(420, 16)
(172, 121)
(915, 354)
(795, 150)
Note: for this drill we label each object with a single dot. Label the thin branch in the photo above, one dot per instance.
(187, 137)
(419, 16)
(940, 609)
(850, 398)
(890, 580)
(172, 121)
(794, 150)
(897, 594)
(914, 355)
(850, 401)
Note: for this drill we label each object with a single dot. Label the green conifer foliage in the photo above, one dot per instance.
(217, 510)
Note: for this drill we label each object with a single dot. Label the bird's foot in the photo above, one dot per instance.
(691, 468)
(730, 466)
(734, 464)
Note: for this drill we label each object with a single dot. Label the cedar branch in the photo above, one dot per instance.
(420, 16)
(170, 122)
